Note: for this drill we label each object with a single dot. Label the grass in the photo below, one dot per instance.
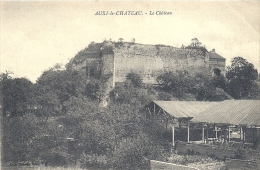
(41, 168)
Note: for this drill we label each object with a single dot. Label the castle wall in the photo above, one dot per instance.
(108, 67)
(150, 61)
(88, 65)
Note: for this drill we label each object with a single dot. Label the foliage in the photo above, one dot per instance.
(126, 93)
(195, 42)
(17, 135)
(130, 154)
(203, 88)
(220, 81)
(177, 83)
(62, 82)
(195, 48)
(54, 87)
(17, 95)
(165, 96)
(239, 154)
(241, 76)
(134, 79)
(95, 90)
(69, 125)
(180, 84)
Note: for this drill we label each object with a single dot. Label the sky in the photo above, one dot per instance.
(34, 36)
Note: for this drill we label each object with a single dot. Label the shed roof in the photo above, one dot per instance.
(184, 109)
(214, 55)
(234, 112)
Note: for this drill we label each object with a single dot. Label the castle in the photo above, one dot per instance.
(117, 59)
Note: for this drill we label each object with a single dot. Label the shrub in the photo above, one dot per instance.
(134, 79)
(239, 154)
(130, 155)
(95, 90)
(192, 152)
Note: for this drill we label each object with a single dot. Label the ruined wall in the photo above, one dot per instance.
(88, 62)
(108, 68)
(218, 63)
(117, 59)
(152, 60)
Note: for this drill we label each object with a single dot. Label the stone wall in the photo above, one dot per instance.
(149, 61)
(108, 67)
(218, 63)
(88, 61)
(152, 60)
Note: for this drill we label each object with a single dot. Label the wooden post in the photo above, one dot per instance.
(225, 133)
(173, 143)
(207, 140)
(203, 135)
(154, 108)
(228, 133)
(188, 128)
(254, 134)
(244, 134)
(241, 133)
(216, 129)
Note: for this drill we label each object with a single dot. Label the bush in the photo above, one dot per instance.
(130, 155)
(134, 79)
(95, 90)
(239, 154)
(192, 152)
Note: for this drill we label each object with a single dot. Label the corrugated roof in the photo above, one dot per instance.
(184, 109)
(234, 112)
(215, 56)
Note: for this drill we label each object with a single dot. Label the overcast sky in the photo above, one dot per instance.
(36, 35)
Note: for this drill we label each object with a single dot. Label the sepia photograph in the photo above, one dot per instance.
(149, 85)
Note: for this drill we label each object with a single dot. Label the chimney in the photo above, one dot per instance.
(213, 50)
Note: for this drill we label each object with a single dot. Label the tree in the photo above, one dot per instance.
(55, 86)
(241, 76)
(175, 82)
(120, 40)
(203, 86)
(95, 90)
(195, 42)
(17, 95)
(220, 81)
(134, 79)
(195, 48)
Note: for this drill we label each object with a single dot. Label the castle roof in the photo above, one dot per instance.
(214, 55)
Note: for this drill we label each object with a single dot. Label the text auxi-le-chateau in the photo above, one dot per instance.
(133, 13)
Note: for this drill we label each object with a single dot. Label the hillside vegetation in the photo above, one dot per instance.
(58, 121)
